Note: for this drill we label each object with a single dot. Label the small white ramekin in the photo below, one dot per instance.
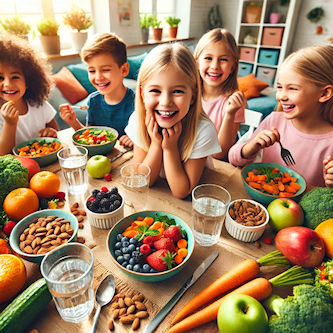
(105, 220)
(242, 232)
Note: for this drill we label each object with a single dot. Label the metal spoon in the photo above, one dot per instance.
(104, 295)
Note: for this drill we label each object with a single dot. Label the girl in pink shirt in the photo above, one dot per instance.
(217, 57)
(305, 125)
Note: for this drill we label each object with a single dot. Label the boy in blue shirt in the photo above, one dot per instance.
(112, 103)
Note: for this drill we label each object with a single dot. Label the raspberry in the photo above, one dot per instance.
(91, 198)
(7, 229)
(268, 240)
(145, 249)
(148, 240)
(104, 189)
(60, 196)
(107, 177)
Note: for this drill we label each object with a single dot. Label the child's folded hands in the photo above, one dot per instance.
(328, 171)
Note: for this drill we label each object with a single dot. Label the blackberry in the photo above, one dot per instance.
(117, 203)
(138, 257)
(105, 203)
(114, 190)
(94, 192)
(113, 197)
(100, 196)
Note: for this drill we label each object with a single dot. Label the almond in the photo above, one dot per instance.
(128, 301)
(141, 314)
(131, 309)
(135, 324)
(111, 325)
(140, 306)
(115, 314)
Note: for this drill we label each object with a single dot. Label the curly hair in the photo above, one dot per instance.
(16, 51)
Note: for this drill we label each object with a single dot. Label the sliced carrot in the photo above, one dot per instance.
(296, 186)
(149, 220)
(130, 233)
(182, 243)
(255, 185)
(182, 252)
(285, 194)
(290, 189)
(178, 259)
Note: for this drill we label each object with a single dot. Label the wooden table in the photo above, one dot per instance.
(157, 295)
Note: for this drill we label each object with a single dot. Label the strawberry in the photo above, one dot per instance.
(8, 227)
(174, 232)
(161, 260)
(165, 243)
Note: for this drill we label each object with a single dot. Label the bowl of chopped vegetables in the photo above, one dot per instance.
(268, 181)
(43, 150)
(99, 140)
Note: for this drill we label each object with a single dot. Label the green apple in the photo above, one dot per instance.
(242, 314)
(98, 166)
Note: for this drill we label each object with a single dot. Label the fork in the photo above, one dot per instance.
(286, 156)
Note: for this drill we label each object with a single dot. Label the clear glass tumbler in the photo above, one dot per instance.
(68, 271)
(209, 206)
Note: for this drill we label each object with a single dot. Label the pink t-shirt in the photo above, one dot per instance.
(308, 150)
(215, 109)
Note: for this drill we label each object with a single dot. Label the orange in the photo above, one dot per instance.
(20, 203)
(12, 276)
(325, 232)
(45, 183)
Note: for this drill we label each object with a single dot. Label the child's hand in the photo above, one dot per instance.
(328, 171)
(171, 136)
(9, 113)
(236, 101)
(152, 128)
(48, 132)
(67, 114)
(125, 141)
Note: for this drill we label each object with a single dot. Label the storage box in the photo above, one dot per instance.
(266, 74)
(272, 36)
(269, 56)
(247, 53)
(244, 69)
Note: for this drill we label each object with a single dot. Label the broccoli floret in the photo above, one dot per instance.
(12, 175)
(317, 205)
(310, 310)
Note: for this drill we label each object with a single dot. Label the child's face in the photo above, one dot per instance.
(168, 95)
(12, 83)
(297, 96)
(105, 74)
(215, 64)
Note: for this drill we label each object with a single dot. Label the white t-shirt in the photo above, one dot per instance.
(32, 122)
(206, 142)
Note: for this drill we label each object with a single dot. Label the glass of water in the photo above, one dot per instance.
(209, 206)
(68, 271)
(73, 163)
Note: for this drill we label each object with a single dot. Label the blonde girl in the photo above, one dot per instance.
(305, 125)
(24, 89)
(217, 57)
(170, 131)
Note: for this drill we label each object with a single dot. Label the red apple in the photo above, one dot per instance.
(32, 166)
(301, 246)
(283, 213)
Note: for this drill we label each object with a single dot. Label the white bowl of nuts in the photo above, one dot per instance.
(42, 231)
(246, 220)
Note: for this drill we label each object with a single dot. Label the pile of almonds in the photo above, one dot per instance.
(247, 213)
(79, 213)
(129, 310)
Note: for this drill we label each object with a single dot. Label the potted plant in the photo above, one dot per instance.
(49, 37)
(145, 24)
(15, 25)
(157, 30)
(173, 25)
(79, 21)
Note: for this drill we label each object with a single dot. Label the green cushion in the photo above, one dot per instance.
(81, 73)
(135, 62)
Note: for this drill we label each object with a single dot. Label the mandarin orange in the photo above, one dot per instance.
(45, 183)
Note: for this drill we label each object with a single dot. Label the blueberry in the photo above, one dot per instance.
(94, 192)
(120, 259)
(133, 241)
(146, 268)
(117, 203)
(124, 264)
(125, 249)
(136, 268)
(112, 208)
(124, 243)
(137, 249)
(89, 204)
(125, 239)
(113, 197)
(117, 246)
(114, 190)
(131, 247)
(105, 203)
(135, 253)
(140, 243)
(100, 196)
(153, 270)
(117, 253)
(129, 267)
(132, 261)
(119, 237)
(127, 256)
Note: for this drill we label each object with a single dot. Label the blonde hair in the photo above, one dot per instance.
(105, 43)
(315, 64)
(158, 60)
(224, 36)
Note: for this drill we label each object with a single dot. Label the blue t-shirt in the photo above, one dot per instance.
(116, 116)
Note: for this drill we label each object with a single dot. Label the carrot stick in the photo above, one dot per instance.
(244, 271)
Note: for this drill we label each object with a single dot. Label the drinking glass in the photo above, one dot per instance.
(73, 162)
(209, 206)
(68, 271)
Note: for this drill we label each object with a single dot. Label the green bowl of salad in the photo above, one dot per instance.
(99, 140)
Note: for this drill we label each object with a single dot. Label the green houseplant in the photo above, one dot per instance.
(156, 25)
(145, 21)
(15, 25)
(173, 23)
(49, 37)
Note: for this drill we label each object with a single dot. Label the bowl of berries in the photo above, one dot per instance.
(104, 207)
(151, 245)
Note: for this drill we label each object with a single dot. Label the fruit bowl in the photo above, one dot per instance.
(87, 137)
(148, 277)
(44, 158)
(266, 198)
(22, 225)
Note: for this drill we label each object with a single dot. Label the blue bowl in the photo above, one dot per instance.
(266, 198)
(14, 238)
(148, 277)
(97, 149)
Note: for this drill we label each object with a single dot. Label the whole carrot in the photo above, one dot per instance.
(259, 288)
(244, 271)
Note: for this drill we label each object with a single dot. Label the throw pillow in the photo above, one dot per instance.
(251, 86)
(135, 64)
(80, 71)
(69, 86)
